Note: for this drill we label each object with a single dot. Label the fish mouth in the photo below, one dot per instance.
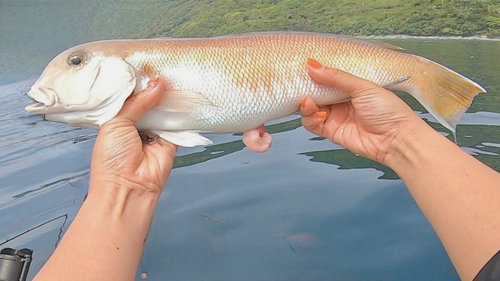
(42, 98)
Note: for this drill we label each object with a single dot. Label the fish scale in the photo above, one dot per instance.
(258, 78)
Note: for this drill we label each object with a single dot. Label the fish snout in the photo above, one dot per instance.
(42, 98)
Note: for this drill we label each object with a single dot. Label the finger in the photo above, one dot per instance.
(168, 153)
(315, 123)
(338, 79)
(138, 104)
(307, 107)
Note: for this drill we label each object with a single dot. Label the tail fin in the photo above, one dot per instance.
(443, 92)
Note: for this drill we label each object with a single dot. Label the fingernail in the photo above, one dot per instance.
(321, 114)
(314, 63)
(303, 102)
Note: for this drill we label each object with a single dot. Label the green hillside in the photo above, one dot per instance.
(358, 17)
(33, 31)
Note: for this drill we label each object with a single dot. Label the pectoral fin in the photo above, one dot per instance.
(186, 139)
(173, 120)
(182, 101)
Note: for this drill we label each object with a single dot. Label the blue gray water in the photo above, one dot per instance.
(306, 210)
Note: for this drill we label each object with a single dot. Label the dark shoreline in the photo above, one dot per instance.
(475, 37)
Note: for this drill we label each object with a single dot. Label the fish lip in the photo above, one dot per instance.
(42, 98)
(35, 107)
(30, 97)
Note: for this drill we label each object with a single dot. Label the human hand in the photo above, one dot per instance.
(120, 157)
(372, 124)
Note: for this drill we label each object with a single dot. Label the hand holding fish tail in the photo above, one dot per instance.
(457, 193)
(369, 124)
(120, 155)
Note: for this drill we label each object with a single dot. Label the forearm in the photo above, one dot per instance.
(106, 239)
(458, 194)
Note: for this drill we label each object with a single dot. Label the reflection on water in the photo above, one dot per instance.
(348, 160)
(307, 209)
(211, 152)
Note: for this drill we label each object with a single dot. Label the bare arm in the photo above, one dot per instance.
(459, 195)
(107, 238)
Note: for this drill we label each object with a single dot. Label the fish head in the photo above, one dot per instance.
(82, 86)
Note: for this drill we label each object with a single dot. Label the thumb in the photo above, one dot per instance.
(138, 104)
(338, 79)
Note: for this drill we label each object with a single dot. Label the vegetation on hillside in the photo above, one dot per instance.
(350, 17)
(34, 31)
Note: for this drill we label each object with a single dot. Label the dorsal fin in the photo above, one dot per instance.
(361, 40)
(365, 41)
(383, 45)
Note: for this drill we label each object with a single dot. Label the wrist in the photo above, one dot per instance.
(107, 181)
(410, 149)
(109, 189)
(121, 194)
(119, 202)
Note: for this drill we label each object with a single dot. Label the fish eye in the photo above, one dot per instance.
(76, 59)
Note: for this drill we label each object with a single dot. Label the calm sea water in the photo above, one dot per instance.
(306, 210)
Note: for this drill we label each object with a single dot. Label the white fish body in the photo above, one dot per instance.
(232, 83)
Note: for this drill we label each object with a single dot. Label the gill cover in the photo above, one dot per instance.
(115, 81)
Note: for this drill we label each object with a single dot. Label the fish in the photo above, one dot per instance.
(232, 83)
